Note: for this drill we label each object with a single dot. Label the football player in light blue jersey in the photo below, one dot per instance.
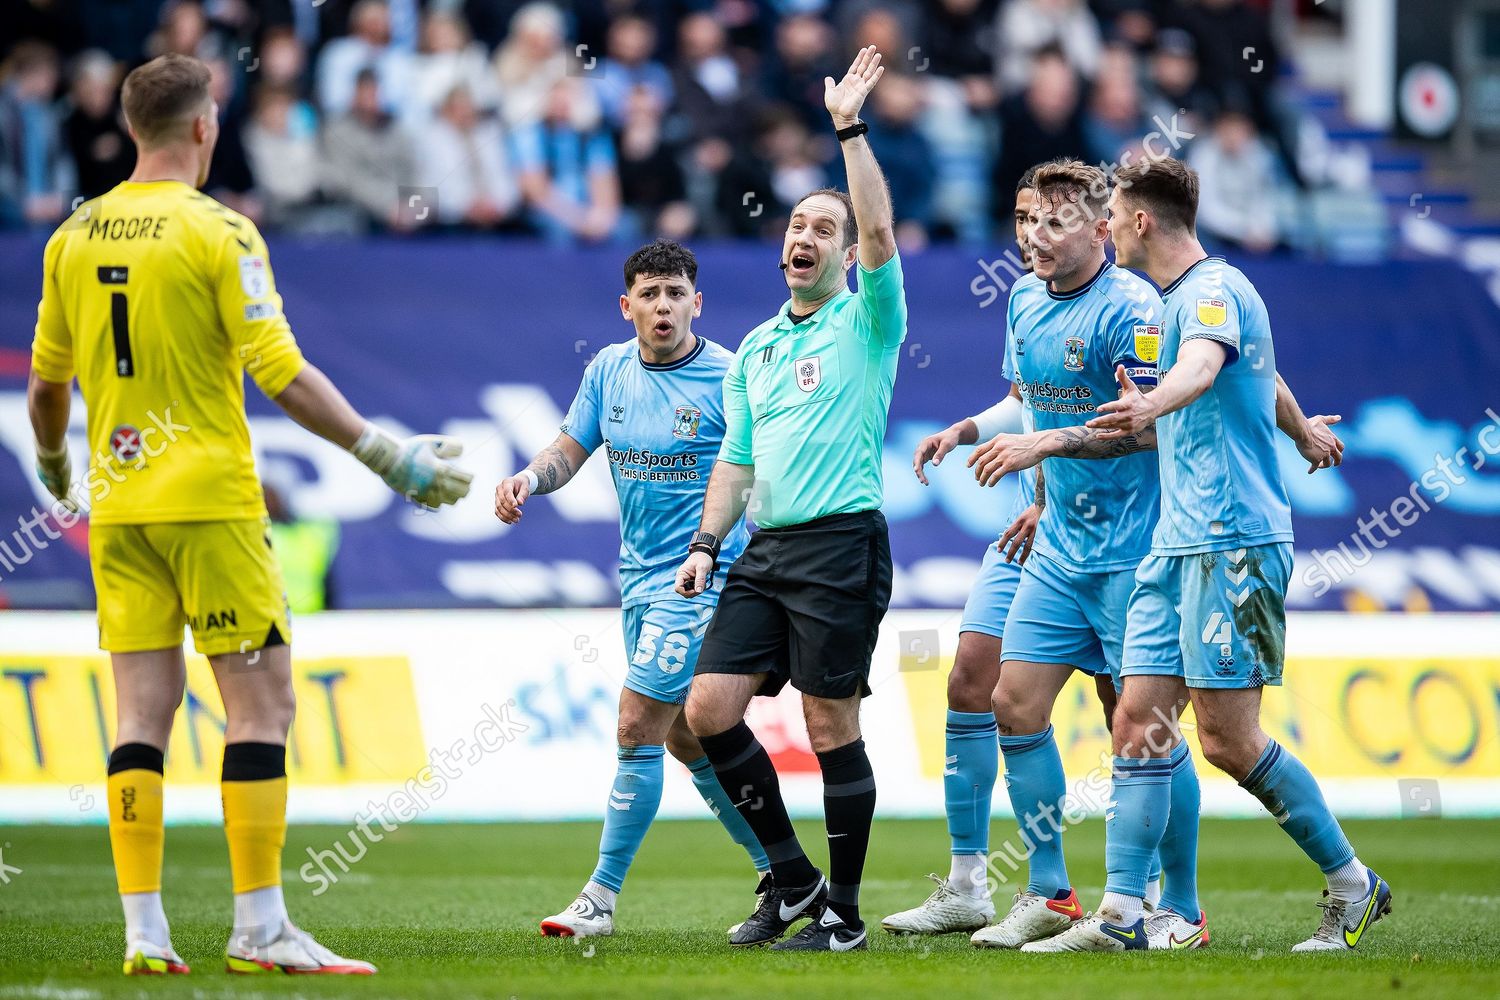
(962, 901)
(1207, 616)
(655, 405)
(1072, 322)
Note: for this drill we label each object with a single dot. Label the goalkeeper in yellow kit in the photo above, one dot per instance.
(157, 298)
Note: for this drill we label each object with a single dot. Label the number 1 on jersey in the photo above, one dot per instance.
(119, 320)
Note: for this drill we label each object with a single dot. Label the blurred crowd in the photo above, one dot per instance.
(614, 119)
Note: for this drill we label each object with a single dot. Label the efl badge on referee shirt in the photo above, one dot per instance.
(1148, 343)
(685, 425)
(1073, 354)
(255, 278)
(1212, 312)
(808, 372)
(125, 443)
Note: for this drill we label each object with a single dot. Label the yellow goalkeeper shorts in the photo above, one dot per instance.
(218, 577)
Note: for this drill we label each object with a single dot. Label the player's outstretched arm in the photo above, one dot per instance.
(1007, 453)
(729, 488)
(867, 187)
(1002, 418)
(1319, 445)
(550, 470)
(1199, 362)
(418, 467)
(49, 404)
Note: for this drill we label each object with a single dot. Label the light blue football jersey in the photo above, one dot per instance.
(661, 427)
(1061, 353)
(1220, 479)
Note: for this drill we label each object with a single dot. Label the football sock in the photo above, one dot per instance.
(969, 772)
(708, 786)
(1290, 793)
(1037, 786)
(633, 801)
(145, 920)
(1139, 806)
(1121, 909)
(136, 836)
(605, 896)
(259, 916)
(1349, 883)
(969, 875)
(749, 779)
(254, 789)
(1153, 892)
(848, 811)
(1179, 841)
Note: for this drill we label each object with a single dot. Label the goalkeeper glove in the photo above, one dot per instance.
(55, 470)
(415, 467)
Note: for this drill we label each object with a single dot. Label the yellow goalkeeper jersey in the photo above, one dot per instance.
(159, 299)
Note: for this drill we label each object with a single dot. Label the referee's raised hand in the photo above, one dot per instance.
(844, 98)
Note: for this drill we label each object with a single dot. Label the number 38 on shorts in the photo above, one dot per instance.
(662, 639)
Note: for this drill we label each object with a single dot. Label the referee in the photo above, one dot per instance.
(805, 405)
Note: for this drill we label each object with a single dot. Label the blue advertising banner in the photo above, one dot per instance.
(486, 340)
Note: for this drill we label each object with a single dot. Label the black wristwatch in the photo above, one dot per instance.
(845, 134)
(705, 541)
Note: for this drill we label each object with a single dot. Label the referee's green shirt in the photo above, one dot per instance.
(806, 403)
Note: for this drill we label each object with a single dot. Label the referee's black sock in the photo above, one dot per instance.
(849, 809)
(749, 779)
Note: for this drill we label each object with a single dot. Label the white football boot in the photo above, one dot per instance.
(1345, 923)
(584, 917)
(293, 951)
(1094, 932)
(1032, 917)
(945, 911)
(1168, 930)
(143, 958)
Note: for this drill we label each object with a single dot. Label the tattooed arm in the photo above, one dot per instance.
(1006, 453)
(549, 471)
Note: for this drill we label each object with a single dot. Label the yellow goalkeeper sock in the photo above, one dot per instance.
(135, 828)
(254, 788)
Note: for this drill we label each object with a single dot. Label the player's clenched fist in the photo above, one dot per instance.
(695, 573)
(510, 496)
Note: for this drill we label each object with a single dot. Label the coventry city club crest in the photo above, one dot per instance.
(685, 424)
(1073, 354)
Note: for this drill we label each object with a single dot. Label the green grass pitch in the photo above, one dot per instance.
(452, 911)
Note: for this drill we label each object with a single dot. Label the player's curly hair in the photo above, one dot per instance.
(662, 258)
(1073, 181)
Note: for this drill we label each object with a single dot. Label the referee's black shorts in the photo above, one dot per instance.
(803, 604)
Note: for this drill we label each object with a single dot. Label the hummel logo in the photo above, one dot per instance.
(621, 800)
